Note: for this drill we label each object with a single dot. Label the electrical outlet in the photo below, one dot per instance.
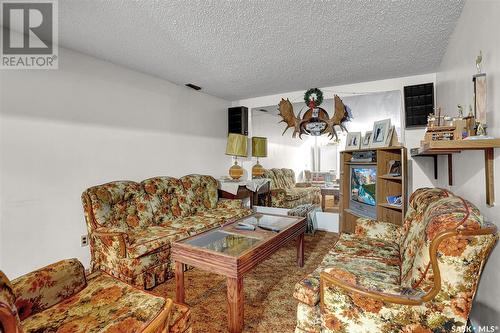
(84, 240)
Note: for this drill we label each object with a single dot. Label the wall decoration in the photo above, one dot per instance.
(315, 120)
(353, 141)
(381, 131)
(365, 143)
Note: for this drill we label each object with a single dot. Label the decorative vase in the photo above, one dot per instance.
(257, 170)
(235, 172)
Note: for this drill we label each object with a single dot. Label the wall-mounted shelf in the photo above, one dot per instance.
(436, 148)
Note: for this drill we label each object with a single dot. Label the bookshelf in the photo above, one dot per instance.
(386, 185)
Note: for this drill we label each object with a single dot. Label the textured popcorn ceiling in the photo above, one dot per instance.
(240, 49)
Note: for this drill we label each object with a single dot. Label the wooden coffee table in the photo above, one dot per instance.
(232, 252)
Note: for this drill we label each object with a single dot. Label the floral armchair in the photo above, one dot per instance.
(286, 193)
(132, 225)
(59, 298)
(421, 277)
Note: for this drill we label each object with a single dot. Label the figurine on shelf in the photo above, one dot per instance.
(479, 60)
(431, 120)
(460, 110)
(481, 129)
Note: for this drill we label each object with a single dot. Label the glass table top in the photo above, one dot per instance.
(234, 243)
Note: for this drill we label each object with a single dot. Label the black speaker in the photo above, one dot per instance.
(237, 120)
(419, 103)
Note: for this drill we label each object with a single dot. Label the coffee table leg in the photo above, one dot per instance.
(179, 282)
(300, 250)
(235, 304)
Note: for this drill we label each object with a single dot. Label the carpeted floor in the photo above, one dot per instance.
(269, 304)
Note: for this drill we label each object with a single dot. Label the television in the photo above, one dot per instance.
(363, 183)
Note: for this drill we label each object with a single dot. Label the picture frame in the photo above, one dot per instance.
(380, 133)
(353, 141)
(365, 142)
(394, 168)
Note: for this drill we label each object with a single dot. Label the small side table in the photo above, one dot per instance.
(246, 189)
(242, 193)
(263, 190)
(333, 191)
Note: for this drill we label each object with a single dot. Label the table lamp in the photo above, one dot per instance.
(259, 149)
(236, 146)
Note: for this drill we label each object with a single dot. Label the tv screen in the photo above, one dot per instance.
(363, 181)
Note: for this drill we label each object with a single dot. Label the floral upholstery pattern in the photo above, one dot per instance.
(285, 193)
(8, 310)
(388, 260)
(58, 298)
(201, 192)
(168, 199)
(132, 225)
(369, 228)
(39, 290)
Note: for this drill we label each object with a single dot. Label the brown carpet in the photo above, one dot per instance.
(269, 304)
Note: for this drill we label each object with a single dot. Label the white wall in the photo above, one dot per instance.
(87, 123)
(420, 170)
(477, 29)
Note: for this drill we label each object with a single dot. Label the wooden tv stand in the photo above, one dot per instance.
(386, 185)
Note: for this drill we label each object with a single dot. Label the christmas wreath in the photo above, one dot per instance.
(313, 97)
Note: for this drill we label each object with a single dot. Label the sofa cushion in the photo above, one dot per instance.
(367, 272)
(296, 193)
(225, 214)
(379, 249)
(168, 198)
(105, 305)
(201, 192)
(146, 240)
(120, 204)
(193, 224)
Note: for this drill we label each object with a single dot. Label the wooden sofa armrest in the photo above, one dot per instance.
(416, 296)
(303, 185)
(162, 320)
(111, 238)
(328, 280)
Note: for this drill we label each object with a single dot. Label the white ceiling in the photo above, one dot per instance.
(241, 49)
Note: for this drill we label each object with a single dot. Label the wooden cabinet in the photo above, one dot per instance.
(385, 186)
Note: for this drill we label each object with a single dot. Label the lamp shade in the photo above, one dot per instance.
(259, 146)
(236, 145)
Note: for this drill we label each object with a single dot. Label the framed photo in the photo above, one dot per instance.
(394, 168)
(381, 131)
(365, 143)
(353, 141)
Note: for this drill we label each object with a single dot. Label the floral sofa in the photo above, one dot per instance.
(285, 193)
(59, 298)
(420, 277)
(132, 225)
